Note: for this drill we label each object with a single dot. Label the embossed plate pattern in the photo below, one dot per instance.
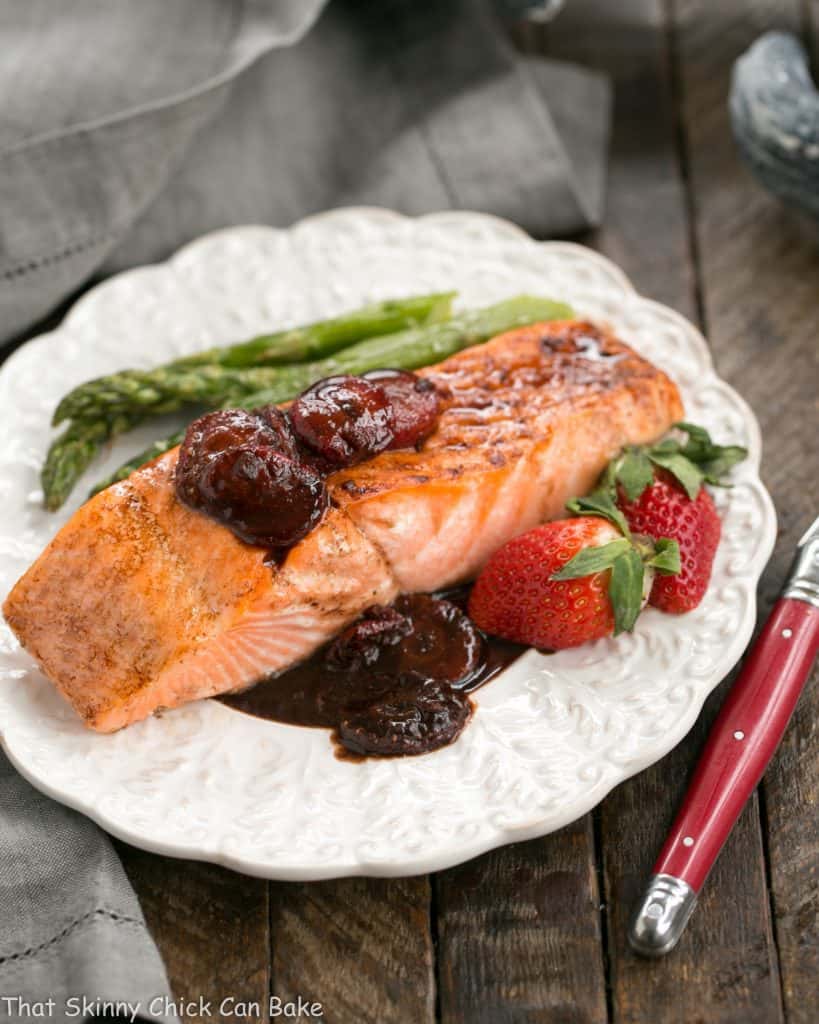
(551, 736)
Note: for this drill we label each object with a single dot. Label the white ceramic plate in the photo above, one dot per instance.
(551, 736)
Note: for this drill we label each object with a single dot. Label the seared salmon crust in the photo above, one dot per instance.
(140, 603)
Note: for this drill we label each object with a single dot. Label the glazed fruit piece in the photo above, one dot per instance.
(264, 497)
(414, 403)
(361, 644)
(416, 716)
(411, 658)
(344, 419)
(215, 433)
(419, 634)
(237, 466)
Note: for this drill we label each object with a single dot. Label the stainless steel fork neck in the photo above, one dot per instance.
(803, 579)
(660, 917)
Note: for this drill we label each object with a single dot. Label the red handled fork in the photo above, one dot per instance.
(748, 730)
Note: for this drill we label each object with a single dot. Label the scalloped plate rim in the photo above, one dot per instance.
(198, 849)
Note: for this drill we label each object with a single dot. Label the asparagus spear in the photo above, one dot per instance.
(406, 350)
(197, 378)
(147, 393)
(152, 393)
(299, 344)
(71, 454)
(140, 459)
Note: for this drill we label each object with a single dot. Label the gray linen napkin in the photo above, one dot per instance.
(70, 924)
(128, 129)
(101, 99)
(413, 106)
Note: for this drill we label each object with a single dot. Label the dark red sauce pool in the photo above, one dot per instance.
(396, 683)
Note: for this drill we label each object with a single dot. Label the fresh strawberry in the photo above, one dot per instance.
(659, 489)
(665, 509)
(530, 593)
(650, 524)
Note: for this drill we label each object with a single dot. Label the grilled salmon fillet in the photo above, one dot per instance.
(141, 603)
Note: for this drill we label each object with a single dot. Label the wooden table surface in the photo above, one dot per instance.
(537, 932)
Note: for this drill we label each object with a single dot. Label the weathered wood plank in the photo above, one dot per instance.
(211, 927)
(519, 929)
(726, 968)
(519, 934)
(505, 952)
(360, 947)
(791, 797)
(645, 229)
(760, 267)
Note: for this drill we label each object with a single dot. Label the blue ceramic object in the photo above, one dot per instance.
(775, 116)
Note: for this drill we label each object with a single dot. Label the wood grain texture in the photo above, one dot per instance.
(725, 969)
(791, 797)
(360, 947)
(498, 960)
(509, 947)
(760, 271)
(519, 929)
(728, 967)
(645, 229)
(211, 926)
(519, 935)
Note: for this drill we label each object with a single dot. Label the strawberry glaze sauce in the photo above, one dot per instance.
(394, 683)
